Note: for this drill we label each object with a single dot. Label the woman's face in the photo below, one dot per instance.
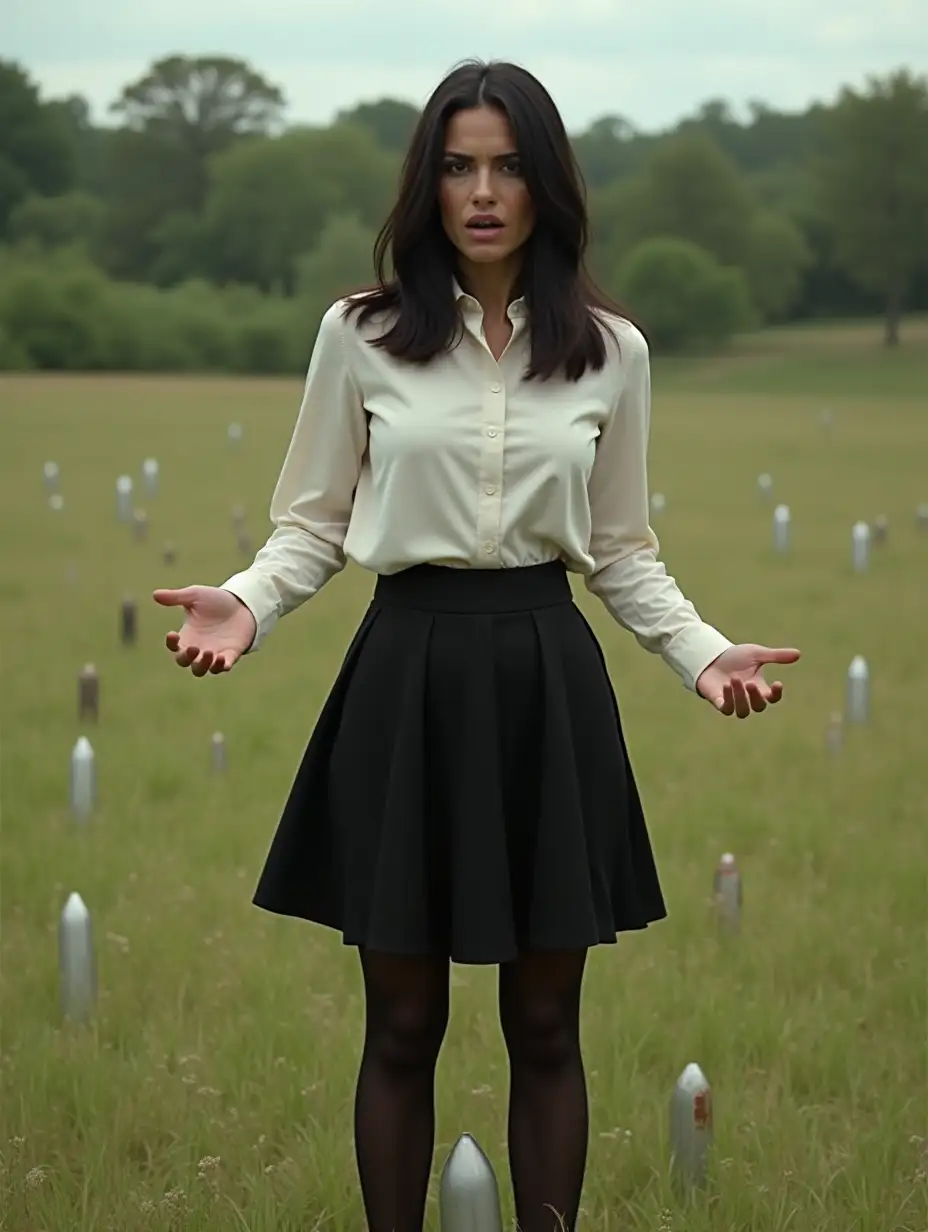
(482, 179)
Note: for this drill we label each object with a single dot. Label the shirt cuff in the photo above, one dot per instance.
(692, 650)
(260, 596)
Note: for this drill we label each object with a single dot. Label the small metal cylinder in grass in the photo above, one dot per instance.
(128, 621)
(468, 1196)
(691, 1129)
(860, 547)
(782, 524)
(76, 961)
(727, 894)
(219, 754)
(857, 707)
(83, 780)
(88, 693)
(124, 490)
(150, 475)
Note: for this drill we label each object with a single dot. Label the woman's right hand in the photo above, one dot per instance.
(217, 630)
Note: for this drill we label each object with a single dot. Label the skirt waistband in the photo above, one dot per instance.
(438, 588)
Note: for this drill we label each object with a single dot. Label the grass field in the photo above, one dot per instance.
(214, 1089)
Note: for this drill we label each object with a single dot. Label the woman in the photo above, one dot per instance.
(471, 430)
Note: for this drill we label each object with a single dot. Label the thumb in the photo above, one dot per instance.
(782, 654)
(175, 598)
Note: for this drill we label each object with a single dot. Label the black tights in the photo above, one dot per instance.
(407, 1013)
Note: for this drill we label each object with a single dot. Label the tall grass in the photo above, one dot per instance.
(214, 1089)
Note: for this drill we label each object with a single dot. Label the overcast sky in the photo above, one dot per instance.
(651, 61)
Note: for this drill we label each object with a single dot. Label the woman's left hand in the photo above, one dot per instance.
(734, 682)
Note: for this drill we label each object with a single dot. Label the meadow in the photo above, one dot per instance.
(214, 1088)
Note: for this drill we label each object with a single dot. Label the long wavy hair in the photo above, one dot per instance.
(563, 303)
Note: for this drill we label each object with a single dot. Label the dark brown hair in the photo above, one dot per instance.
(562, 301)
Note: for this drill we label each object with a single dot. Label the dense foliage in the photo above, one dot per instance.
(202, 232)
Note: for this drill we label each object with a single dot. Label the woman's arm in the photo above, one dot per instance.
(311, 505)
(628, 576)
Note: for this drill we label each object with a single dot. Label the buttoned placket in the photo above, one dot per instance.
(493, 436)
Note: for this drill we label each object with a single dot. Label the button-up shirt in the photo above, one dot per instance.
(462, 462)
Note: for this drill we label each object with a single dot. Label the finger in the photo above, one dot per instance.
(757, 696)
(781, 654)
(726, 702)
(202, 664)
(173, 598)
(775, 692)
(224, 662)
(739, 693)
(188, 655)
(172, 641)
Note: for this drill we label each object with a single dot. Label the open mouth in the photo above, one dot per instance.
(486, 225)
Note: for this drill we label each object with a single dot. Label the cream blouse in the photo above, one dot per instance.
(466, 464)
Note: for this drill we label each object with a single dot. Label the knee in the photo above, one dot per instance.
(543, 1034)
(407, 1034)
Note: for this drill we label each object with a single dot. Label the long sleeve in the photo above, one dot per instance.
(628, 576)
(312, 502)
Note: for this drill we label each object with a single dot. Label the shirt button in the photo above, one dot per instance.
(491, 491)
(488, 546)
(495, 388)
(491, 432)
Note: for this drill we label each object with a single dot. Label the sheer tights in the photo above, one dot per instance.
(407, 1013)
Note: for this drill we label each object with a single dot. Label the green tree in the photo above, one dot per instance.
(875, 188)
(341, 262)
(271, 199)
(682, 296)
(200, 105)
(390, 121)
(53, 222)
(176, 118)
(88, 142)
(777, 256)
(608, 150)
(697, 192)
(145, 183)
(620, 218)
(35, 153)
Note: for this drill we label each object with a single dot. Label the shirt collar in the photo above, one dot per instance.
(516, 309)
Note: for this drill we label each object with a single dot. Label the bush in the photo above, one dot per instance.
(776, 260)
(51, 310)
(59, 311)
(684, 299)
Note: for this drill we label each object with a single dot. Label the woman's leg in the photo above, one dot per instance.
(539, 1003)
(406, 1016)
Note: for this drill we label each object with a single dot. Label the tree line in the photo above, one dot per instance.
(202, 231)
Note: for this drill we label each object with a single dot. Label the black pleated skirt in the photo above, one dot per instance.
(467, 790)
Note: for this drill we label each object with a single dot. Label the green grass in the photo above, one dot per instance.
(224, 1033)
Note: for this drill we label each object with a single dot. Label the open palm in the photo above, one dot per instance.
(217, 630)
(734, 683)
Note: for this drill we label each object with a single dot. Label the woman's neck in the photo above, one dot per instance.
(494, 286)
